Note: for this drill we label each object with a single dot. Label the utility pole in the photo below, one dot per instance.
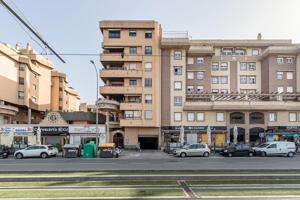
(97, 109)
(30, 29)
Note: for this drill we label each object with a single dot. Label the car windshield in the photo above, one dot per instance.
(263, 145)
(186, 146)
(50, 147)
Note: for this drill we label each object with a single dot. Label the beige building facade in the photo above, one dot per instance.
(196, 84)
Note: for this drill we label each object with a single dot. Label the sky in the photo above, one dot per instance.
(72, 26)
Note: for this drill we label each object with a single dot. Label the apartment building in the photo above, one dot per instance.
(25, 85)
(132, 76)
(63, 97)
(199, 85)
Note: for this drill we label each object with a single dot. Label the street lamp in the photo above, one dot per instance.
(97, 96)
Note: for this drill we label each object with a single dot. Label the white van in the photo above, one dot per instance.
(276, 148)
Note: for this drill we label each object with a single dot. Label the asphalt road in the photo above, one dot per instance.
(149, 160)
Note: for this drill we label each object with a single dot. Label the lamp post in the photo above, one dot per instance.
(97, 96)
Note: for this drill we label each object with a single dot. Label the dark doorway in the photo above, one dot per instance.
(241, 135)
(118, 139)
(254, 134)
(148, 142)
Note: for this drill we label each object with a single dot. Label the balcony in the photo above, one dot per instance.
(131, 122)
(120, 90)
(131, 106)
(117, 57)
(120, 73)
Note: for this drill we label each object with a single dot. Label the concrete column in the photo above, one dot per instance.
(107, 127)
(29, 116)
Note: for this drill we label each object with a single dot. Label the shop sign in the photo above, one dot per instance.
(52, 130)
(16, 129)
(86, 129)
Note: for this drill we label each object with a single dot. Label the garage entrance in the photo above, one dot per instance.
(148, 142)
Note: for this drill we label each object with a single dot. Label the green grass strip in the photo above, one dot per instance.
(244, 181)
(247, 192)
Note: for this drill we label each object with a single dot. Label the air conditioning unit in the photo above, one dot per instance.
(2, 102)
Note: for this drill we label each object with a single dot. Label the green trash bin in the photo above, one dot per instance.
(89, 150)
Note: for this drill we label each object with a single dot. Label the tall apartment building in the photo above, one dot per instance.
(63, 97)
(25, 85)
(251, 84)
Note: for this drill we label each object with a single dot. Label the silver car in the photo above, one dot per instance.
(196, 149)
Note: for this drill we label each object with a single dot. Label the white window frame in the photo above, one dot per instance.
(280, 89)
(179, 69)
(190, 75)
(289, 89)
(177, 85)
(148, 114)
(177, 100)
(215, 67)
(223, 80)
(255, 50)
(272, 117)
(200, 89)
(289, 75)
(289, 60)
(199, 60)
(148, 98)
(200, 116)
(201, 76)
(280, 61)
(215, 78)
(190, 89)
(190, 116)
(220, 117)
(279, 75)
(290, 116)
(252, 77)
(148, 66)
(243, 66)
(177, 116)
(132, 66)
(177, 55)
(190, 61)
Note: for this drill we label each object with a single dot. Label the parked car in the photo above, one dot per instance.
(42, 151)
(53, 150)
(276, 148)
(4, 151)
(193, 150)
(171, 147)
(238, 150)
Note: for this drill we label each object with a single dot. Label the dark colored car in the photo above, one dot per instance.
(4, 151)
(238, 150)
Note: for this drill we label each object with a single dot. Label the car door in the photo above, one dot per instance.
(192, 150)
(29, 151)
(272, 149)
(237, 150)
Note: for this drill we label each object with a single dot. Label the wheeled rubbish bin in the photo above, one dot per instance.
(71, 151)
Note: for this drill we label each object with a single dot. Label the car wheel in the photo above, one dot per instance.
(44, 155)
(183, 155)
(263, 154)
(206, 154)
(290, 154)
(19, 156)
(250, 154)
(229, 154)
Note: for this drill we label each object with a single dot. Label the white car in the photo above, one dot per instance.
(276, 148)
(53, 151)
(196, 149)
(33, 151)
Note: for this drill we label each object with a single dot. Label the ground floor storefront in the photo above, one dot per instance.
(17, 137)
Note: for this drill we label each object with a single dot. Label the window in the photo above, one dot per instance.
(289, 89)
(21, 81)
(280, 61)
(132, 66)
(215, 91)
(255, 52)
(279, 75)
(177, 55)
(280, 89)
(200, 116)
(148, 114)
(148, 50)
(60, 99)
(220, 116)
(251, 66)
(132, 33)
(200, 60)
(22, 67)
(200, 89)
(132, 82)
(60, 107)
(214, 80)
(34, 87)
(148, 66)
(240, 52)
(200, 75)
(243, 66)
(292, 117)
(224, 67)
(289, 75)
(289, 60)
(133, 114)
(177, 70)
(252, 79)
(177, 116)
(224, 91)
(114, 34)
(178, 101)
(132, 50)
(227, 52)
(190, 116)
(190, 61)
(223, 79)
(190, 75)
(148, 34)
(61, 79)
(190, 89)
(272, 146)
(148, 82)
(60, 89)
(148, 98)
(21, 95)
(272, 117)
(215, 67)
(177, 85)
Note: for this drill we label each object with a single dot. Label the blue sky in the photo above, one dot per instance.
(71, 26)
